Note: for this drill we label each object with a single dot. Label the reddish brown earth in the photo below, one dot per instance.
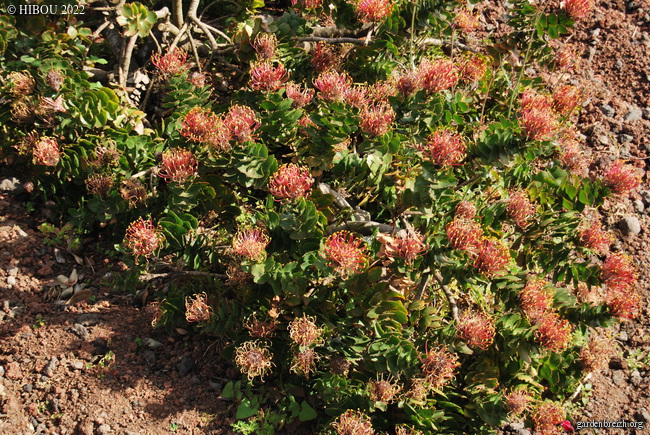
(88, 367)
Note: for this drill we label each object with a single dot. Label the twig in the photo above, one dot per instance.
(450, 297)
(365, 228)
(440, 42)
(152, 276)
(178, 12)
(140, 174)
(424, 282)
(354, 41)
(125, 65)
(580, 387)
(339, 201)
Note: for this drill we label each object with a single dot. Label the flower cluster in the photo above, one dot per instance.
(339, 365)
(578, 9)
(492, 257)
(517, 401)
(260, 329)
(572, 156)
(595, 355)
(521, 209)
(537, 116)
(536, 299)
(407, 83)
(566, 57)
(444, 148)
(346, 253)
(439, 366)
(592, 236)
(172, 63)
(253, 359)
(202, 126)
(301, 97)
(618, 272)
(143, 238)
(265, 45)
(553, 332)
(197, 309)
(54, 79)
(384, 390)
(465, 21)
(353, 422)
(291, 182)
(437, 75)
(267, 77)
(99, 184)
(133, 192)
(357, 96)
(46, 152)
(407, 245)
(476, 329)
(473, 68)
(251, 244)
(241, 122)
(566, 98)
(373, 11)
(304, 332)
(624, 303)
(332, 85)
(325, 57)
(464, 234)
(304, 362)
(377, 119)
(21, 83)
(178, 165)
(465, 210)
(547, 416)
(621, 178)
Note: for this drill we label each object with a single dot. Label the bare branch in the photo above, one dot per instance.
(440, 42)
(125, 65)
(450, 297)
(151, 276)
(365, 228)
(178, 13)
(339, 201)
(354, 41)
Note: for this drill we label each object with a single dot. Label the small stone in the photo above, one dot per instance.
(11, 280)
(28, 388)
(608, 110)
(13, 371)
(618, 377)
(631, 225)
(85, 427)
(50, 367)
(89, 319)
(643, 415)
(619, 64)
(185, 366)
(149, 356)
(10, 185)
(646, 112)
(635, 378)
(633, 115)
(2, 371)
(639, 206)
(623, 336)
(13, 271)
(130, 432)
(77, 365)
(103, 429)
(625, 138)
(216, 386)
(80, 331)
(595, 33)
(21, 232)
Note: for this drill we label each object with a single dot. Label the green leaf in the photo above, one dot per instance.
(247, 408)
(306, 412)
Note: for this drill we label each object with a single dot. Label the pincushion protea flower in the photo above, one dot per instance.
(253, 359)
(357, 96)
(473, 68)
(267, 77)
(437, 75)
(538, 123)
(547, 416)
(618, 271)
(492, 257)
(304, 332)
(553, 332)
(439, 366)
(197, 309)
(178, 165)
(54, 78)
(370, 11)
(133, 192)
(409, 245)
(476, 329)
(465, 210)
(595, 355)
(566, 57)
(346, 253)
(198, 79)
(301, 97)
(536, 299)
(143, 238)
(22, 83)
(444, 148)
(261, 329)
(384, 390)
(251, 244)
(46, 152)
(291, 181)
(578, 9)
(332, 85)
(353, 422)
(377, 119)
(265, 45)
(573, 157)
(406, 82)
(465, 21)
(171, 63)
(99, 184)
(593, 236)
(241, 122)
(339, 365)
(624, 303)
(464, 234)
(325, 57)
(621, 178)
(517, 401)
(304, 362)
(521, 209)
(200, 125)
(566, 98)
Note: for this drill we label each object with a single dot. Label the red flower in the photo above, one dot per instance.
(268, 78)
(143, 238)
(291, 181)
(465, 210)
(492, 257)
(353, 422)
(406, 82)
(566, 57)
(595, 355)
(531, 99)
(578, 9)
(241, 122)
(325, 57)
(46, 152)
(464, 234)
(357, 96)
(332, 85)
(253, 359)
(406, 245)
(593, 236)
(439, 366)
(536, 299)
(624, 303)
(304, 331)
(299, 96)
(172, 63)
(346, 253)
(476, 329)
(178, 165)
(521, 209)
(618, 272)
(377, 119)
(444, 148)
(473, 68)
(201, 125)
(370, 11)
(566, 425)
(265, 45)
(573, 157)
(99, 185)
(517, 401)
(553, 332)
(566, 98)
(465, 21)
(251, 244)
(538, 123)
(437, 75)
(547, 416)
(197, 309)
(621, 178)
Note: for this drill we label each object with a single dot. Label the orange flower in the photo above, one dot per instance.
(346, 253)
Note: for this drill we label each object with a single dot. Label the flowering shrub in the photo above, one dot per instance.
(413, 250)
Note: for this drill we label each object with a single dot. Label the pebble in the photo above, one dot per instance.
(103, 429)
(80, 331)
(185, 366)
(78, 365)
(11, 280)
(623, 336)
(646, 112)
(618, 377)
(50, 367)
(2, 371)
(149, 356)
(89, 319)
(13, 371)
(645, 195)
(28, 388)
(635, 378)
(625, 138)
(13, 271)
(216, 386)
(639, 206)
(608, 110)
(631, 225)
(633, 115)
(10, 185)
